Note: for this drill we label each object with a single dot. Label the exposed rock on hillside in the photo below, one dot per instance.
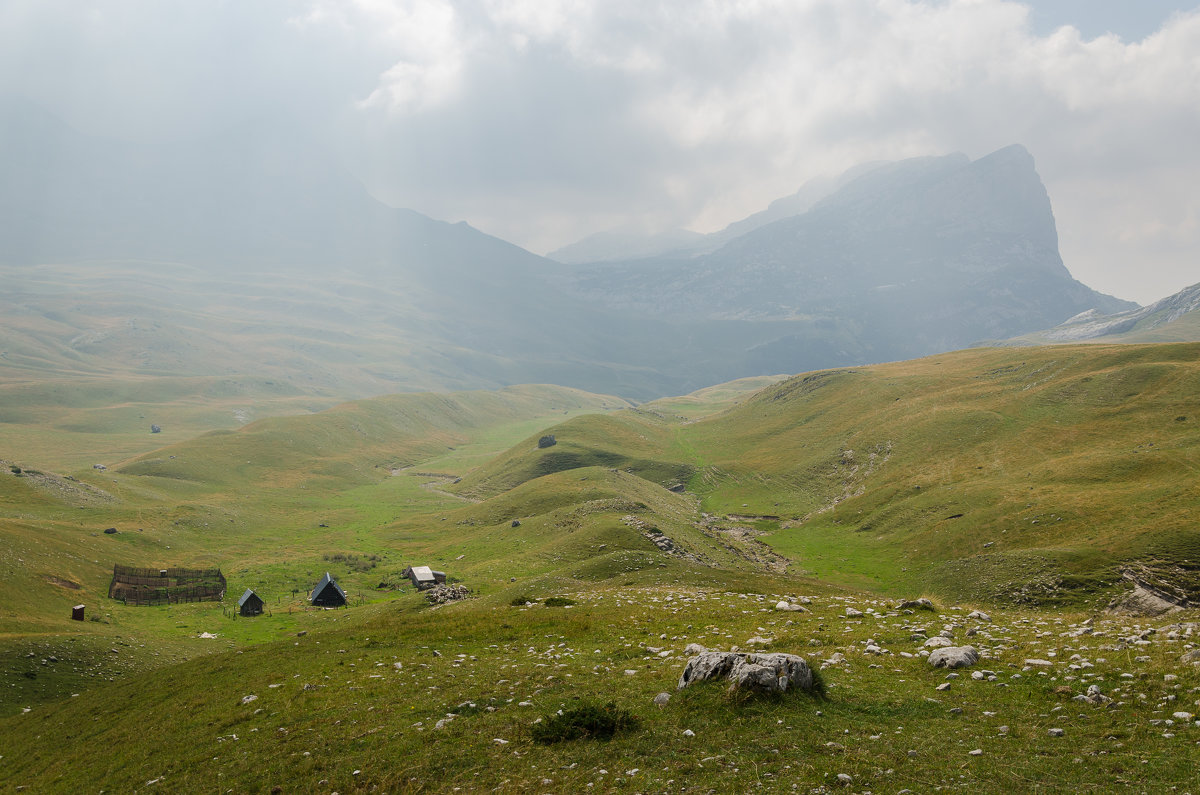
(750, 673)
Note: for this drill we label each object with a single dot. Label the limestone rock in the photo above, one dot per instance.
(776, 672)
(937, 641)
(1142, 601)
(954, 657)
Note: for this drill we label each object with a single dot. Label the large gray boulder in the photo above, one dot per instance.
(954, 657)
(776, 672)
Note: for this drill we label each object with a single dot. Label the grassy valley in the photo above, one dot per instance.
(1031, 484)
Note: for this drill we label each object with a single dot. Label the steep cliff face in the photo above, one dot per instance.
(916, 256)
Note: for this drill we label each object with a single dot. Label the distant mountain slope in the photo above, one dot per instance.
(912, 257)
(255, 253)
(1175, 318)
(618, 245)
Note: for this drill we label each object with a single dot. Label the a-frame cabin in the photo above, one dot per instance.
(327, 593)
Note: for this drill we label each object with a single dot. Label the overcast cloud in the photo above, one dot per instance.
(541, 121)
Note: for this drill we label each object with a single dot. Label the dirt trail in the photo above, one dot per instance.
(437, 480)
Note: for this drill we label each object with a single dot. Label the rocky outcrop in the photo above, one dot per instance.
(441, 593)
(749, 673)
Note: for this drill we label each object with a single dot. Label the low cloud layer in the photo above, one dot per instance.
(542, 122)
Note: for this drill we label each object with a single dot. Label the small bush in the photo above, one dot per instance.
(559, 601)
(353, 562)
(16, 470)
(521, 601)
(587, 721)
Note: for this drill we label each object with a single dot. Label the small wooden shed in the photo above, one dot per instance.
(77, 612)
(423, 577)
(327, 593)
(250, 604)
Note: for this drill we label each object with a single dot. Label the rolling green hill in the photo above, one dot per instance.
(1024, 481)
(1030, 474)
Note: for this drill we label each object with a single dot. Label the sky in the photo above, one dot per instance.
(542, 122)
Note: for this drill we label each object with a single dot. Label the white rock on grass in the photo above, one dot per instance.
(979, 615)
(758, 672)
(954, 657)
(938, 641)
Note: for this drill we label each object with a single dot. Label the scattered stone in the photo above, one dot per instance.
(976, 752)
(937, 641)
(844, 779)
(688, 733)
(1093, 696)
(250, 698)
(1039, 663)
(1056, 732)
(1192, 657)
(943, 686)
(917, 604)
(954, 657)
(979, 615)
(442, 593)
(853, 613)
(662, 699)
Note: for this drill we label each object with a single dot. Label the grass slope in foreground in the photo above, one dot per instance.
(392, 695)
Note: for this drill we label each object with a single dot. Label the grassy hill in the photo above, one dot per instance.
(1020, 481)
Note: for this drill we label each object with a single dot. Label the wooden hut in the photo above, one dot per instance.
(250, 604)
(327, 593)
(77, 612)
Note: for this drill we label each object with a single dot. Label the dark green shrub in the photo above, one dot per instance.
(521, 601)
(559, 601)
(587, 721)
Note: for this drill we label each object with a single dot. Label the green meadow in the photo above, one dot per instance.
(1033, 484)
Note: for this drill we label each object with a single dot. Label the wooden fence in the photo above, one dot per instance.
(141, 586)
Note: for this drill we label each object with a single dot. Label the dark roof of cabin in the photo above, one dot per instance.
(246, 596)
(324, 583)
